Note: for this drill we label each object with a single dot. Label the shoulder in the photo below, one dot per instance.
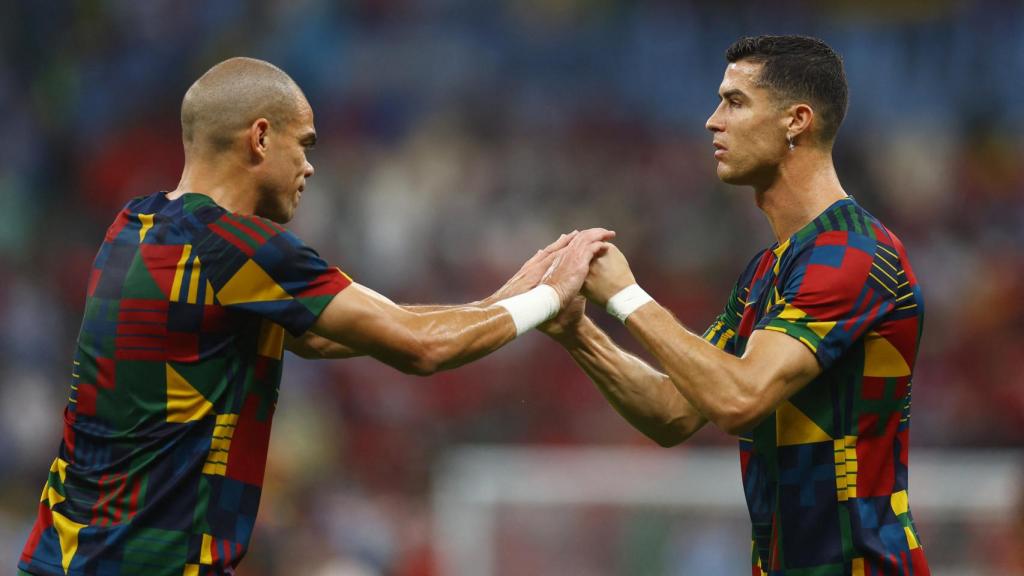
(246, 233)
(750, 270)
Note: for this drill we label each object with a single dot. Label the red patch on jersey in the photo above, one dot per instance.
(162, 262)
(105, 373)
(182, 346)
(94, 279)
(122, 220)
(247, 458)
(827, 293)
(86, 399)
(832, 238)
(902, 334)
(327, 284)
(876, 469)
(232, 238)
(215, 319)
(44, 520)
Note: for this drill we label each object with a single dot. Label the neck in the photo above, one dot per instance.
(806, 184)
(222, 180)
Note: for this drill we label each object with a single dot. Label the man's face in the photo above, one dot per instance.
(749, 128)
(286, 167)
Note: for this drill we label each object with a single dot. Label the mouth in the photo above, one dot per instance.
(720, 150)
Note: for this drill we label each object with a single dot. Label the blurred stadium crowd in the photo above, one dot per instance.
(457, 137)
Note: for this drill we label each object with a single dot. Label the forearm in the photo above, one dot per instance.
(645, 397)
(456, 335)
(715, 382)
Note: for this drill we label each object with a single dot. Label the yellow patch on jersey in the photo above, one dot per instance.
(184, 403)
(251, 284)
(882, 359)
(792, 426)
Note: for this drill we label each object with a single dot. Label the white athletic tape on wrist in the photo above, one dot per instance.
(626, 301)
(532, 308)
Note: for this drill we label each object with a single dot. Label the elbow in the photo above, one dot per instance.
(425, 359)
(675, 432)
(668, 440)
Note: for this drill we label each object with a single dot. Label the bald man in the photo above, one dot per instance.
(193, 298)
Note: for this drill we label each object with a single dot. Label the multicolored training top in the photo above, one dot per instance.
(825, 475)
(174, 385)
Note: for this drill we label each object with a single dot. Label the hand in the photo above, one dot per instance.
(609, 273)
(532, 271)
(567, 323)
(572, 263)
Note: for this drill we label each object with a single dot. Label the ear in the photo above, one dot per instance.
(259, 139)
(799, 121)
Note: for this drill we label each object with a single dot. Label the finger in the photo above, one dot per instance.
(595, 234)
(602, 248)
(562, 242)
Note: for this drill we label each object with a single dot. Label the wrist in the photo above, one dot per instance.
(532, 308)
(626, 301)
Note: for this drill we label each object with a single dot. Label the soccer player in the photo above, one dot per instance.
(810, 362)
(193, 298)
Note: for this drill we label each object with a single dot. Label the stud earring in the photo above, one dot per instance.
(790, 140)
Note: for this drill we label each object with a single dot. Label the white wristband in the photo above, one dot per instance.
(626, 301)
(532, 308)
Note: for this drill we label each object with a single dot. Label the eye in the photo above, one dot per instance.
(734, 103)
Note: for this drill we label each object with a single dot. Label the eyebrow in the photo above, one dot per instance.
(733, 92)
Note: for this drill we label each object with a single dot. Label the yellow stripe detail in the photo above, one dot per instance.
(882, 284)
(858, 567)
(147, 222)
(205, 557)
(890, 253)
(889, 264)
(193, 282)
(208, 298)
(179, 273)
(809, 344)
(191, 570)
(67, 530)
(879, 268)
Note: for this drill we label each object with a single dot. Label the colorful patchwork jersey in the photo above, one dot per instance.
(825, 475)
(175, 381)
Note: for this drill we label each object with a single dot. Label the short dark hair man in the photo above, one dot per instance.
(810, 362)
(193, 298)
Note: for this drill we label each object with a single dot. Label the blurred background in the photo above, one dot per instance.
(456, 138)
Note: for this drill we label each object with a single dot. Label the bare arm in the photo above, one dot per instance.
(645, 397)
(313, 346)
(733, 393)
(423, 342)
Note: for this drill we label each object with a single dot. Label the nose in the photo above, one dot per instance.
(714, 122)
(308, 170)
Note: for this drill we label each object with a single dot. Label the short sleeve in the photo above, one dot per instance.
(722, 331)
(831, 291)
(261, 268)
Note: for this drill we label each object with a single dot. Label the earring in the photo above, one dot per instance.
(790, 140)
